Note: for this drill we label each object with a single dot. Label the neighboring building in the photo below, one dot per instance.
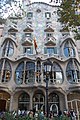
(27, 40)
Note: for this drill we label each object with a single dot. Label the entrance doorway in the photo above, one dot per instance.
(39, 101)
(54, 103)
(24, 101)
(2, 105)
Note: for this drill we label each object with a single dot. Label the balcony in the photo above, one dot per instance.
(26, 41)
(50, 41)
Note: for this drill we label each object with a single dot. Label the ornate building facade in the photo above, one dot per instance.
(27, 40)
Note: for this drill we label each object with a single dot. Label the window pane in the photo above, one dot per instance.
(66, 52)
(52, 50)
(59, 75)
(29, 14)
(6, 72)
(45, 50)
(27, 34)
(24, 102)
(19, 73)
(47, 15)
(30, 72)
(69, 49)
(28, 50)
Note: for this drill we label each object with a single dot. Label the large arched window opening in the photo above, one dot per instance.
(5, 71)
(24, 101)
(72, 72)
(54, 103)
(69, 49)
(55, 75)
(39, 101)
(19, 73)
(30, 72)
(25, 73)
(8, 48)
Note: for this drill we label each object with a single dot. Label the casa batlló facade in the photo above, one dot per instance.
(27, 40)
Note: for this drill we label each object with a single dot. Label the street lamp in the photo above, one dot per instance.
(47, 71)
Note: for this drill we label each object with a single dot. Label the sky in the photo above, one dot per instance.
(47, 1)
(7, 6)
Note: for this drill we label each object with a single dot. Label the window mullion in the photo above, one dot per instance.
(24, 73)
(2, 71)
(6, 50)
(8, 47)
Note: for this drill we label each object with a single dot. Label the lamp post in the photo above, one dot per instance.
(47, 70)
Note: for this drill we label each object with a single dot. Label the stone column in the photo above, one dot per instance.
(31, 102)
(11, 103)
(77, 109)
(23, 82)
(35, 72)
(71, 105)
(66, 102)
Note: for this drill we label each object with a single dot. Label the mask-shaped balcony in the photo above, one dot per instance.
(50, 41)
(65, 32)
(49, 29)
(12, 32)
(27, 41)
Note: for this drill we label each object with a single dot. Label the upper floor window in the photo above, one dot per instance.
(50, 50)
(5, 71)
(28, 50)
(8, 48)
(29, 15)
(49, 35)
(47, 15)
(69, 49)
(49, 23)
(12, 33)
(27, 34)
(72, 72)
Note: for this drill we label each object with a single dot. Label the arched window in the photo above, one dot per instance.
(25, 72)
(8, 48)
(38, 101)
(57, 73)
(24, 102)
(72, 72)
(19, 73)
(69, 49)
(54, 102)
(5, 71)
(30, 72)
